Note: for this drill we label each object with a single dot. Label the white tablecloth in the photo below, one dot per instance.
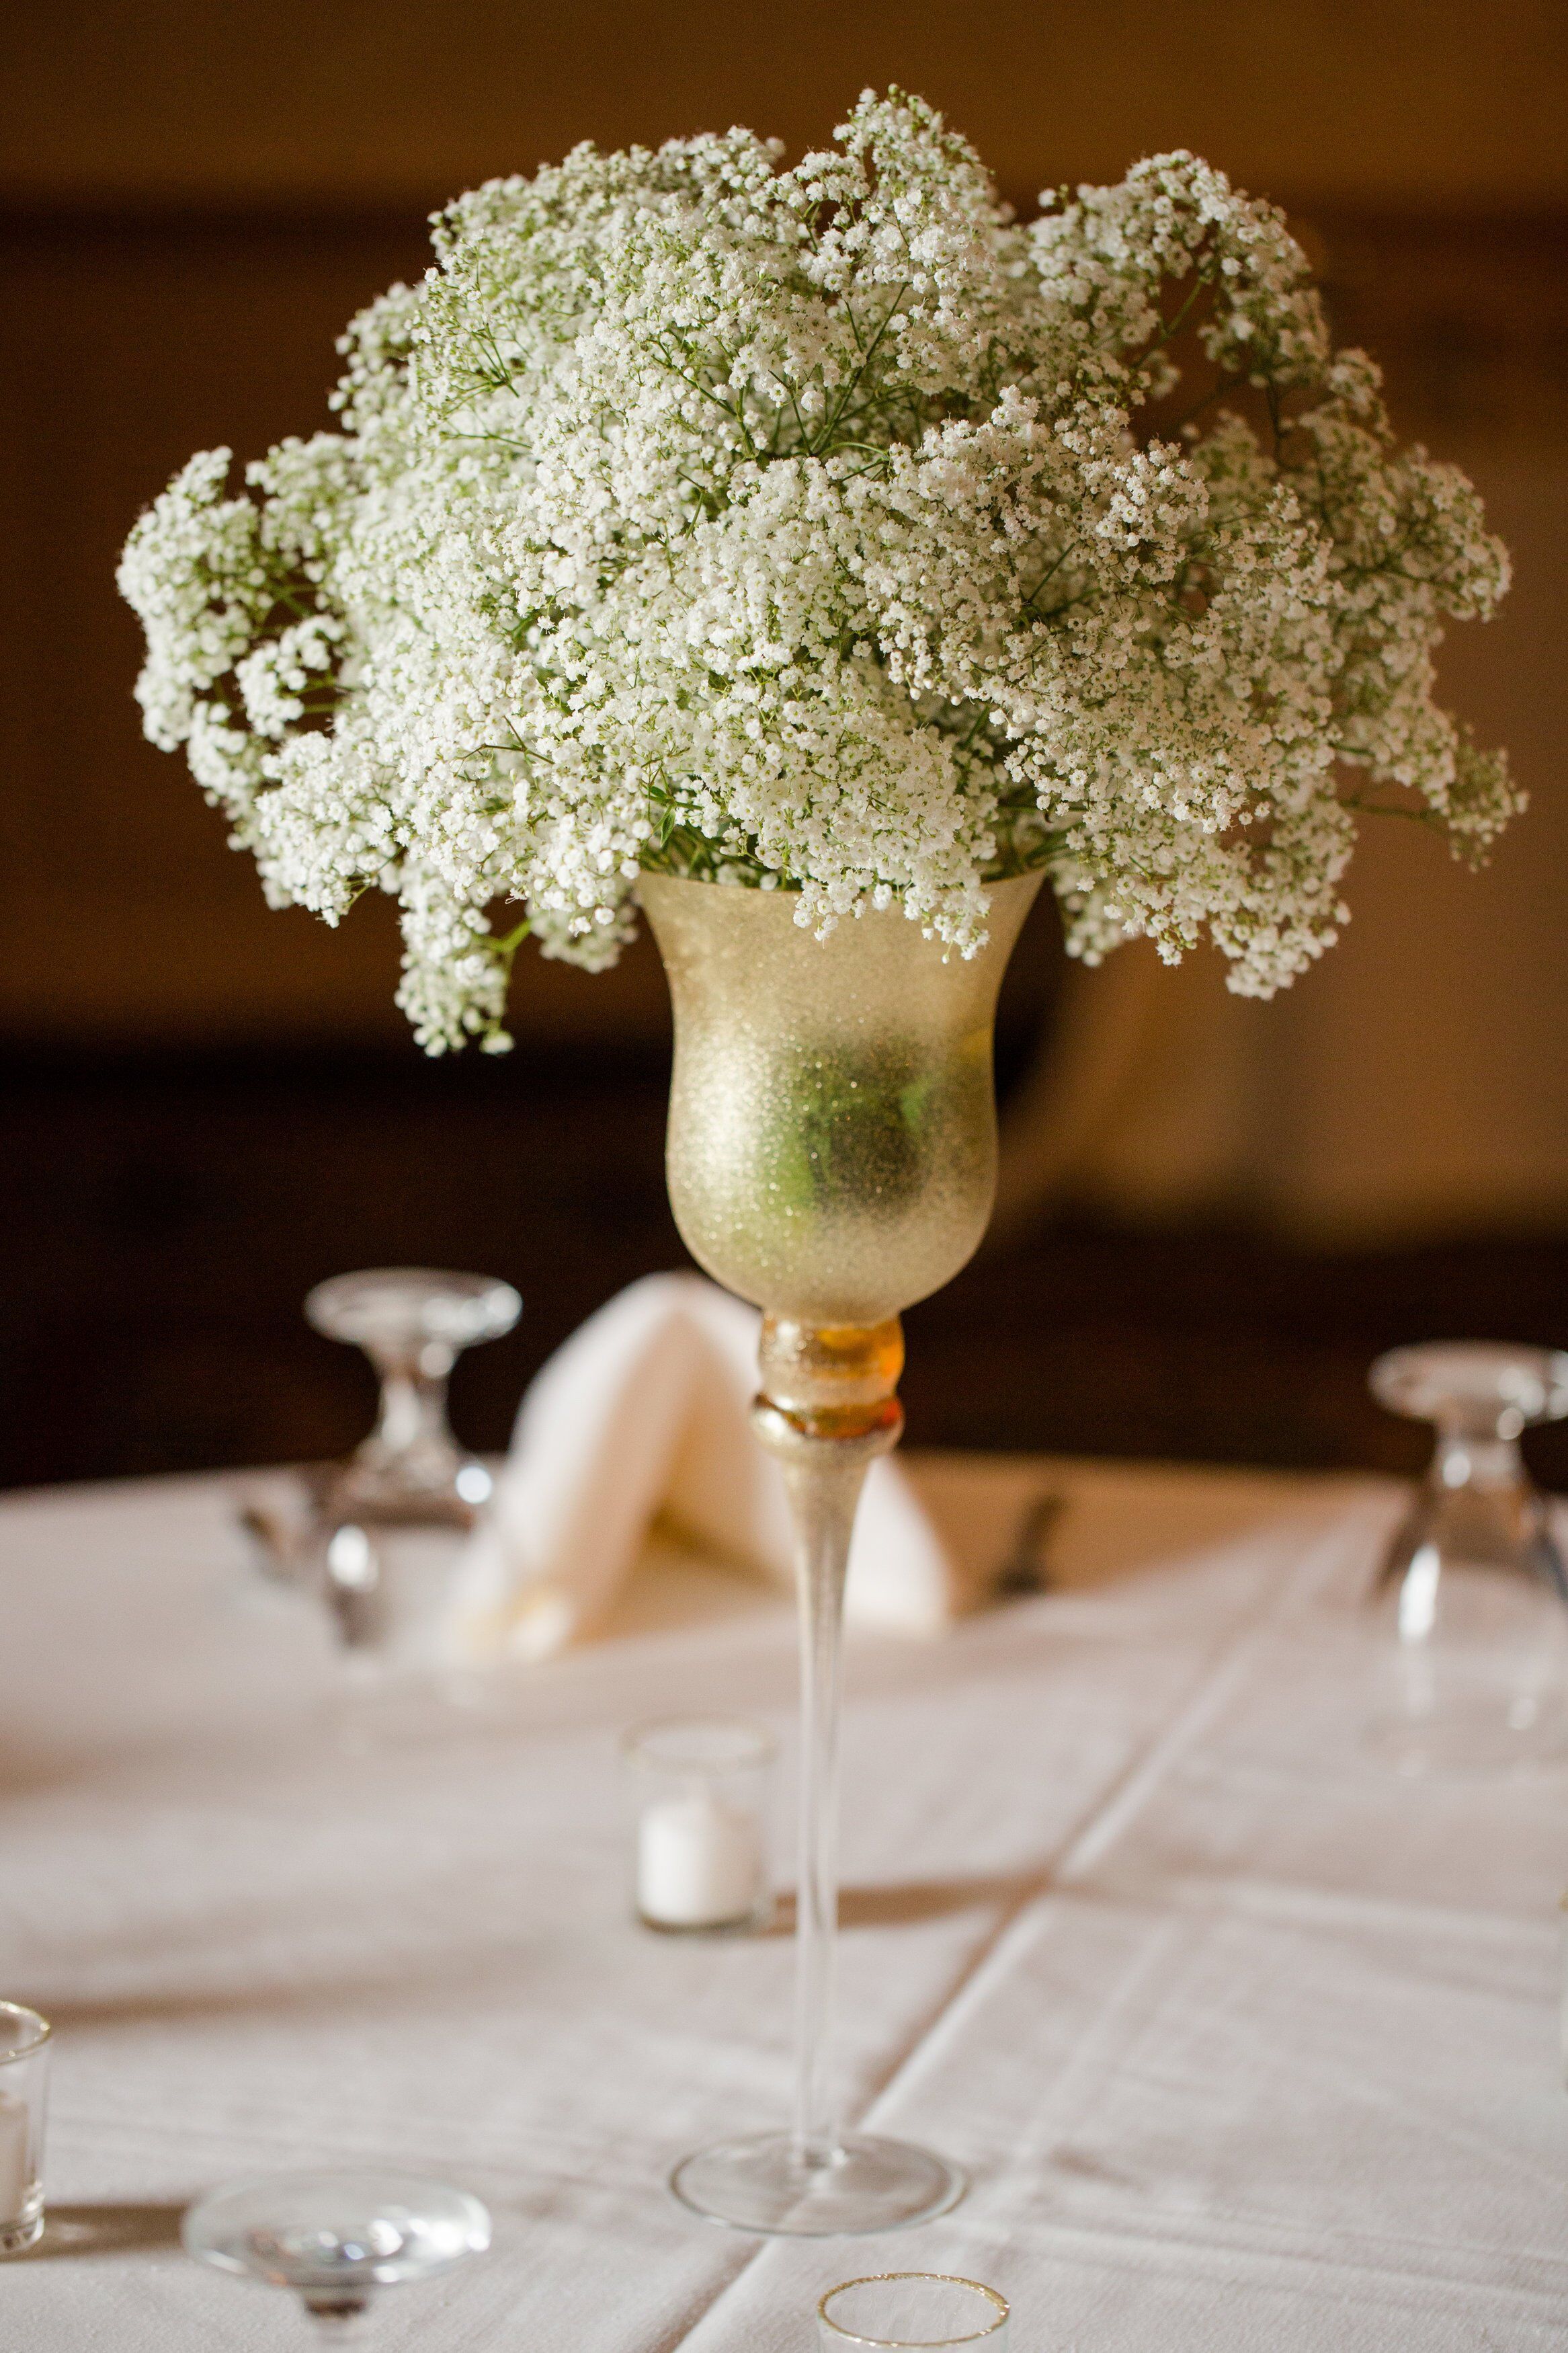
(1245, 2043)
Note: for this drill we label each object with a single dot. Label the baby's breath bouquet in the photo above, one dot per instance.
(825, 529)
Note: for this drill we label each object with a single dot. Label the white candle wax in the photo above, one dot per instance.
(16, 2167)
(700, 1861)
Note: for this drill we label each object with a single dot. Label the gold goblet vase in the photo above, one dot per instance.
(831, 1157)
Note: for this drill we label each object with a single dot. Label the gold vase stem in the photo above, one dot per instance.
(824, 1449)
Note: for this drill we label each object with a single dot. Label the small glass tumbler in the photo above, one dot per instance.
(900, 2309)
(23, 2094)
(390, 1523)
(703, 1798)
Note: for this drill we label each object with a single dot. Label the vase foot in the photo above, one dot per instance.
(762, 2184)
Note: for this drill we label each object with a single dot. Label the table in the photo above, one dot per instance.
(1246, 2043)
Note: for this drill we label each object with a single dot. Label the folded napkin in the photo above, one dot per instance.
(642, 1412)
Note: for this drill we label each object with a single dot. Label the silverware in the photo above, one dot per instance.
(278, 1543)
(1024, 1570)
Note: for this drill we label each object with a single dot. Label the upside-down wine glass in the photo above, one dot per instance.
(831, 1157)
(1473, 1589)
(391, 1518)
(336, 2240)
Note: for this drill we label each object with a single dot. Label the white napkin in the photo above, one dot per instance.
(643, 1410)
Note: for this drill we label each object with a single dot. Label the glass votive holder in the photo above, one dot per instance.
(24, 2091)
(896, 2310)
(702, 1793)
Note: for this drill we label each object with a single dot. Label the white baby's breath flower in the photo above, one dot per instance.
(800, 527)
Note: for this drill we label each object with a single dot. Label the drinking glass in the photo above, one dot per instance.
(1472, 1593)
(390, 1521)
(336, 2240)
(702, 1796)
(24, 2092)
(896, 2310)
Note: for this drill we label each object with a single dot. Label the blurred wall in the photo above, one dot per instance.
(1411, 103)
(196, 199)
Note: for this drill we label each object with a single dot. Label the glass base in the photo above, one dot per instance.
(1477, 1737)
(24, 2231)
(760, 2184)
(1471, 1708)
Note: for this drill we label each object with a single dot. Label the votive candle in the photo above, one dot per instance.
(701, 1843)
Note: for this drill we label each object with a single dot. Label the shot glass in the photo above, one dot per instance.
(24, 2091)
(702, 1793)
(896, 2310)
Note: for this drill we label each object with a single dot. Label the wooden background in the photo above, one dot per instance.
(207, 1105)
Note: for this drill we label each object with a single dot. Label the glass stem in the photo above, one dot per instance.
(411, 1429)
(1486, 1461)
(828, 1408)
(824, 1477)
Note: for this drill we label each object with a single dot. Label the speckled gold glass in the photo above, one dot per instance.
(832, 1148)
(832, 1158)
